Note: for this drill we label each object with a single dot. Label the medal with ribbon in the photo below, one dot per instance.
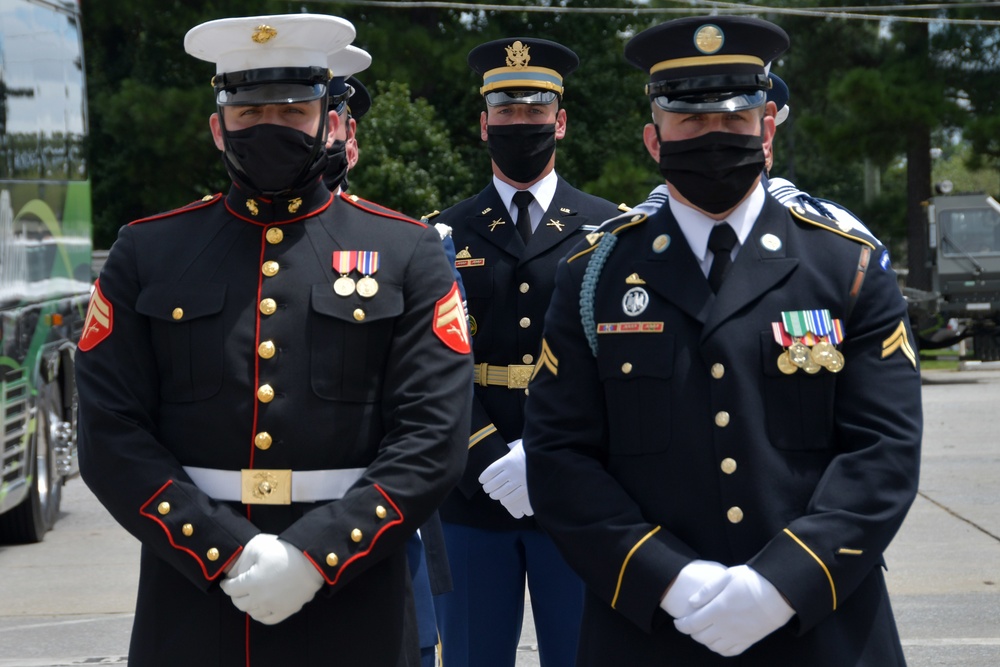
(344, 261)
(814, 335)
(368, 261)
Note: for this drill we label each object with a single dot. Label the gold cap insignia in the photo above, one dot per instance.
(294, 204)
(517, 54)
(709, 39)
(252, 207)
(464, 253)
(634, 279)
(264, 34)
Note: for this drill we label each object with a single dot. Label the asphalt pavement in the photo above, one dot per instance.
(69, 600)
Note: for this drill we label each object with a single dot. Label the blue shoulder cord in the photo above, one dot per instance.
(588, 288)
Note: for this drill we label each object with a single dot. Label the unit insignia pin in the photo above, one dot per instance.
(495, 223)
(661, 243)
(770, 242)
(555, 223)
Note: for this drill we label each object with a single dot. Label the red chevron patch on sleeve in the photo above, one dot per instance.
(450, 324)
(99, 322)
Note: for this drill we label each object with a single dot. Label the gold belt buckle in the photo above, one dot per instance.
(518, 376)
(266, 487)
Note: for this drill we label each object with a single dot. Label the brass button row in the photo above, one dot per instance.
(187, 529)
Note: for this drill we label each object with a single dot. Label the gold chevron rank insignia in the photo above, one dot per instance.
(546, 360)
(899, 340)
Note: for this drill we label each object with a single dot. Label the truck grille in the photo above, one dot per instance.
(14, 417)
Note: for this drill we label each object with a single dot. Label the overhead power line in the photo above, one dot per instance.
(859, 13)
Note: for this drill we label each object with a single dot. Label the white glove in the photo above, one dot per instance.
(274, 582)
(748, 609)
(696, 576)
(505, 480)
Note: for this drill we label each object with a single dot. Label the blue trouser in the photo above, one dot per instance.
(422, 600)
(480, 620)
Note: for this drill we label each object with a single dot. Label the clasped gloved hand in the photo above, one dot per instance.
(692, 578)
(505, 480)
(745, 611)
(271, 580)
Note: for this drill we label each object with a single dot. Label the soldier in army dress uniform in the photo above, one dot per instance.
(273, 385)
(507, 262)
(740, 409)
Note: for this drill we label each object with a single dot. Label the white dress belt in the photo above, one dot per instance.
(307, 486)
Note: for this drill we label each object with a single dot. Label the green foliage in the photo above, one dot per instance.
(860, 91)
(406, 159)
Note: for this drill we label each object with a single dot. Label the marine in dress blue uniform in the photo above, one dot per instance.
(740, 457)
(493, 543)
(271, 437)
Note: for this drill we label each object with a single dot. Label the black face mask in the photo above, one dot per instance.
(521, 151)
(273, 159)
(336, 166)
(713, 171)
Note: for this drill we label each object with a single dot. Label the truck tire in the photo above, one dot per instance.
(29, 521)
(986, 347)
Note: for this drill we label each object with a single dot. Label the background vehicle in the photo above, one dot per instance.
(45, 247)
(965, 301)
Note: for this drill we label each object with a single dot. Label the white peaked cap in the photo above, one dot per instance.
(349, 61)
(257, 42)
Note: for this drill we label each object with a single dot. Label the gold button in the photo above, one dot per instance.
(626, 368)
(525, 322)
(728, 466)
(528, 359)
(270, 268)
(187, 529)
(380, 512)
(163, 508)
(524, 287)
(263, 440)
(718, 370)
(332, 560)
(265, 394)
(734, 514)
(213, 554)
(722, 419)
(275, 236)
(356, 535)
(177, 314)
(266, 349)
(359, 315)
(268, 306)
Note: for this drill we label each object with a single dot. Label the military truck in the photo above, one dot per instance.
(45, 248)
(964, 302)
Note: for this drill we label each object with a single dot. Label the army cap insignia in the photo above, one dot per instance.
(517, 54)
(709, 38)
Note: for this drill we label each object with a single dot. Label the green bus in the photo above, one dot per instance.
(45, 251)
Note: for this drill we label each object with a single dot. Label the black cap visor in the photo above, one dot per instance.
(497, 98)
(277, 85)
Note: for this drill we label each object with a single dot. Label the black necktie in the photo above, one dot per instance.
(720, 242)
(523, 199)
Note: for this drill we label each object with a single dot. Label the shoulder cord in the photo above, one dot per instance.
(588, 288)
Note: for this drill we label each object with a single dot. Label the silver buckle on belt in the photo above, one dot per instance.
(266, 487)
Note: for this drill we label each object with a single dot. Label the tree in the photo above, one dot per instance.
(407, 161)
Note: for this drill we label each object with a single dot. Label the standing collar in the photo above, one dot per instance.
(296, 206)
